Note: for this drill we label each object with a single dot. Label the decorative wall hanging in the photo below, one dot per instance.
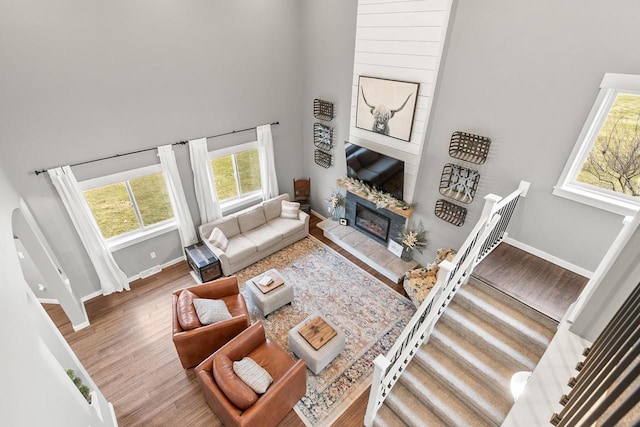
(469, 147)
(322, 136)
(450, 212)
(323, 158)
(322, 110)
(386, 106)
(459, 183)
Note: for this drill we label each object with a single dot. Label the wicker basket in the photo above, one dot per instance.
(450, 212)
(322, 110)
(459, 183)
(469, 147)
(323, 158)
(322, 137)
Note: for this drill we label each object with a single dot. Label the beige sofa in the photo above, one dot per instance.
(254, 233)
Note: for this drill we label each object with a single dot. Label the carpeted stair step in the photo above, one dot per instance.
(485, 290)
(486, 402)
(445, 408)
(387, 418)
(503, 317)
(410, 409)
(484, 335)
(490, 370)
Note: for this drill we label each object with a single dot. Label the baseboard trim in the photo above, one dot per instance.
(548, 257)
(91, 296)
(162, 267)
(80, 326)
(48, 301)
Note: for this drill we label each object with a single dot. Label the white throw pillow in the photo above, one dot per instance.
(218, 239)
(252, 374)
(290, 210)
(211, 310)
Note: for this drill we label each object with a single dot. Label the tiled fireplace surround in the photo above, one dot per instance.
(371, 250)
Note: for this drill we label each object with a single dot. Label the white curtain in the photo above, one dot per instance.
(203, 181)
(174, 184)
(267, 162)
(112, 279)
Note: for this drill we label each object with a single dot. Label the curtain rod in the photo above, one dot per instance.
(38, 172)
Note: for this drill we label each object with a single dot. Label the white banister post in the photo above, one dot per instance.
(444, 270)
(380, 366)
(490, 202)
(523, 188)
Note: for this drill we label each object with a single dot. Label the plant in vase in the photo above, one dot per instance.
(336, 200)
(412, 239)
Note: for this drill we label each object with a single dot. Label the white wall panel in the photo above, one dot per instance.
(400, 40)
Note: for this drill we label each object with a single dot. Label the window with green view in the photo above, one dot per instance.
(130, 205)
(236, 175)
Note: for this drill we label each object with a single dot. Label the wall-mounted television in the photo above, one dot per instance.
(375, 169)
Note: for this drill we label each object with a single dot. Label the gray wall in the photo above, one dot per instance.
(328, 45)
(526, 74)
(91, 79)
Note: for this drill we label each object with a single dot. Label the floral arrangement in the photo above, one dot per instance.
(380, 198)
(336, 199)
(414, 238)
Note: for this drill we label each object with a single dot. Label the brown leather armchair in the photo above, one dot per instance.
(194, 345)
(288, 387)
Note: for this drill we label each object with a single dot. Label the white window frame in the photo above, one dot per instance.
(145, 232)
(568, 187)
(247, 200)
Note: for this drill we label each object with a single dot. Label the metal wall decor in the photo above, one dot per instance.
(322, 136)
(323, 158)
(459, 183)
(322, 110)
(450, 212)
(469, 147)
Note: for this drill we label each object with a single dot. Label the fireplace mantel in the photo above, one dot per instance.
(405, 212)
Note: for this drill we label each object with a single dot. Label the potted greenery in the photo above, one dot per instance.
(84, 390)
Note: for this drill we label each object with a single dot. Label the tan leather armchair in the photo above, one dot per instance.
(194, 345)
(288, 387)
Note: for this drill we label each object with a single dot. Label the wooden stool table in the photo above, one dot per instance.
(316, 340)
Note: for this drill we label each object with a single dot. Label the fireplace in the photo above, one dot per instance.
(371, 222)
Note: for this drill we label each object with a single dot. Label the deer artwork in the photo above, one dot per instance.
(382, 114)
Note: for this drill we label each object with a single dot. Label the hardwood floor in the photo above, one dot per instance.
(128, 351)
(544, 286)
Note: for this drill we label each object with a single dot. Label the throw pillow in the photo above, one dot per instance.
(218, 239)
(233, 387)
(186, 312)
(211, 310)
(253, 375)
(290, 210)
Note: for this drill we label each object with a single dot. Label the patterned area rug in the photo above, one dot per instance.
(371, 315)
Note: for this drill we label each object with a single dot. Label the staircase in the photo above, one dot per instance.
(461, 377)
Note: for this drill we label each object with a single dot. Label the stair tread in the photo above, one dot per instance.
(487, 367)
(486, 290)
(512, 314)
(443, 403)
(411, 410)
(490, 404)
(516, 353)
(387, 418)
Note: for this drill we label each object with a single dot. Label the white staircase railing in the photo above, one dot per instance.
(489, 231)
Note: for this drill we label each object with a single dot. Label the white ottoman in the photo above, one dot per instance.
(316, 360)
(272, 300)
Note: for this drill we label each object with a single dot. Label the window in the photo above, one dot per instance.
(130, 206)
(604, 167)
(236, 173)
